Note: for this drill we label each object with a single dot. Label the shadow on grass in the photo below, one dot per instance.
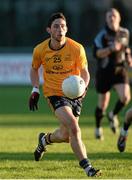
(16, 122)
(31, 121)
(26, 124)
(26, 156)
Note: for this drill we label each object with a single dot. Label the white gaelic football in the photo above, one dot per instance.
(73, 86)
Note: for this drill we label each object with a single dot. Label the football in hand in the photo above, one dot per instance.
(73, 86)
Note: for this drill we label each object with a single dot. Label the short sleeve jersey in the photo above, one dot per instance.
(58, 64)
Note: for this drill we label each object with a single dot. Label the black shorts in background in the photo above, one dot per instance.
(59, 101)
(107, 78)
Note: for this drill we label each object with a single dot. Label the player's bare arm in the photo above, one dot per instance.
(104, 52)
(85, 75)
(34, 77)
(33, 100)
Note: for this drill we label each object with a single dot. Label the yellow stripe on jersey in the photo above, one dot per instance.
(58, 64)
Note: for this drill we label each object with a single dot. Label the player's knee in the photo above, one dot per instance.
(74, 128)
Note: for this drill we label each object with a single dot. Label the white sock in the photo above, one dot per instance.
(87, 169)
(43, 141)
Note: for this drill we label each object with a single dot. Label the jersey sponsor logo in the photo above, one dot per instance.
(57, 72)
(57, 67)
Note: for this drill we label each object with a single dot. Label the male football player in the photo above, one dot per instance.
(112, 53)
(60, 57)
(121, 143)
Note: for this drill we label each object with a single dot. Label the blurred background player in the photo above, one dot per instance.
(112, 53)
(121, 143)
(60, 57)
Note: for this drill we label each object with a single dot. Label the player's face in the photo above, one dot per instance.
(58, 30)
(113, 20)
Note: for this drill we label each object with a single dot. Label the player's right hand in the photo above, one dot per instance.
(33, 100)
(83, 95)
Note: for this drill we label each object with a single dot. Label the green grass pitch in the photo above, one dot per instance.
(19, 129)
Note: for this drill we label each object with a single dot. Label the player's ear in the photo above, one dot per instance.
(48, 30)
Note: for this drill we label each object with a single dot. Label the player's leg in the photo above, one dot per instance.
(103, 86)
(69, 131)
(58, 136)
(64, 110)
(121, 143)
(103, 101)
(61, 134)
(65, 115)
(123, 91)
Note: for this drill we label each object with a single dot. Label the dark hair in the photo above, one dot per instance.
(55, 16)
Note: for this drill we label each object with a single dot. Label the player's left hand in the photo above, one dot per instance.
(33, 100)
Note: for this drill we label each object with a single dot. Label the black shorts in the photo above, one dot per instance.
(107, 78)
(59, 101)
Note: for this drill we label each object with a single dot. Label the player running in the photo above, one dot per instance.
(121, 143)
(60, 57)
(113, 54)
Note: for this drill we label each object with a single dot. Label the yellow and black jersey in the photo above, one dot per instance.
(58, 64)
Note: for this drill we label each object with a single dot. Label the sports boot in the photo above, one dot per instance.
(99, 133)
(93, 172)
(114, 122)
(39, 151)
(121, 143)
